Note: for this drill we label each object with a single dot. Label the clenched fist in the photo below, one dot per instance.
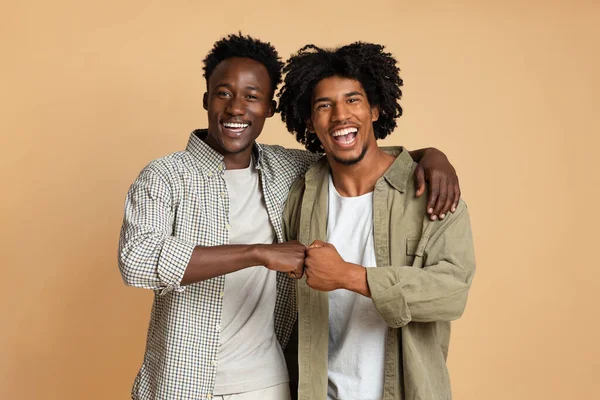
(326, 270)
(284, 257)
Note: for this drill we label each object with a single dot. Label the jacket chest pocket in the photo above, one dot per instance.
(414, 251)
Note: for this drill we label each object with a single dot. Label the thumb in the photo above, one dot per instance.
(316, 243)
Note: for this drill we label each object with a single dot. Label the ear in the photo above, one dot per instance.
(310, 126)
(272, 108)
(374, 113)
(205, 101)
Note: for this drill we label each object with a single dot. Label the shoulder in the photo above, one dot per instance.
(170, 169)
(293, 161)
(296, 192)
(171, 162)
(283, 166)
(457, 223)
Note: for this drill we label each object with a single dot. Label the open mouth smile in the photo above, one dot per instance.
(345, 136)
(234, 129)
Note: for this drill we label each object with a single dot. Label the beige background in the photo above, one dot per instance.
(92, 91)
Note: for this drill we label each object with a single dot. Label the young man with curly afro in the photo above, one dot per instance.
(203, 230)
(382, 281)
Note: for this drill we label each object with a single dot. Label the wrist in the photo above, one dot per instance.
(257, 253)
(357, 280)
(418, 154)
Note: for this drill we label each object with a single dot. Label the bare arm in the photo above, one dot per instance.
(151, 257)
(210, 262)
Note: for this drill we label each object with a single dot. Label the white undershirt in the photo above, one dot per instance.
(250, 357)
(356, 331)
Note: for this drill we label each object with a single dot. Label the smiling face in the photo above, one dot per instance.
(238, 100)
(342, 119)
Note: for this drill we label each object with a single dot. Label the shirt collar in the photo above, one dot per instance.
(211, 159)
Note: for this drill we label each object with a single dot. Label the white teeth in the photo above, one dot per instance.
(344, 131)
(235, 125)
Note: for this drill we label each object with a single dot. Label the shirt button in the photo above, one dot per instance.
(210, 174)
(214, 363)
(209, 396)
(218, 328)
(221, 294)
(227, 226)
(223, 194)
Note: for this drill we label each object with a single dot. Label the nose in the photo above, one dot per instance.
(235, 106)
(340, 112)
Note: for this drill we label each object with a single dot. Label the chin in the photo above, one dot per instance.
(350, 159)
(236, 148)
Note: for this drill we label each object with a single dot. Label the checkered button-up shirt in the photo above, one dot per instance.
(178, 202)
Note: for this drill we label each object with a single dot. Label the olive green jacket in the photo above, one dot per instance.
(425, 269)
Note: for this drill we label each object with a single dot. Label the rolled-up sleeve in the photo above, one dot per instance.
(436, 286)
(150, 256)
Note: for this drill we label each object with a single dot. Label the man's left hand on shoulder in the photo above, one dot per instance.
(444, 189)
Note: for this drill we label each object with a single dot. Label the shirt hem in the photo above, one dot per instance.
(250, 386)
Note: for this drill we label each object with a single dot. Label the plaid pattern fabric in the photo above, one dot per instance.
(178, 202)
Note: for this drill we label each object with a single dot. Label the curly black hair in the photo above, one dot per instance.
(367, 63)
(238, 45)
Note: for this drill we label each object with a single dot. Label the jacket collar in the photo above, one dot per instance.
(397, 174)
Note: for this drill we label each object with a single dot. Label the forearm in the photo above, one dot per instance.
(210, 262)
(151, 260)
(405, 294)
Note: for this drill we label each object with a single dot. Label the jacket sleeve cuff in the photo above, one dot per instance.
(174, 258)
(388, 298)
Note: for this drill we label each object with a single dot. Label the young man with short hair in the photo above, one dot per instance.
(382, 280)
(203, 230)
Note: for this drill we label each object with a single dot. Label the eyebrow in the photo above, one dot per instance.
(350, 94)
(228, 86)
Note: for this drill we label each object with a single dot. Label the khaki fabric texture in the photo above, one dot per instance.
(424, 275)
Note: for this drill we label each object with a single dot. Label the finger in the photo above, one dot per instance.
(442, 196)
(456, 196)
(308, 275)
(300, 271)
(296, 274)
(419, 181)
(308, 259)
(449, 200)
(434, 190)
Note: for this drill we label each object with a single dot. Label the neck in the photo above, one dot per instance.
(238, 160)
(360, 178)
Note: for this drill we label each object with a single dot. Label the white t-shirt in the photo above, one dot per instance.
(356, 331)
(250, 357)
